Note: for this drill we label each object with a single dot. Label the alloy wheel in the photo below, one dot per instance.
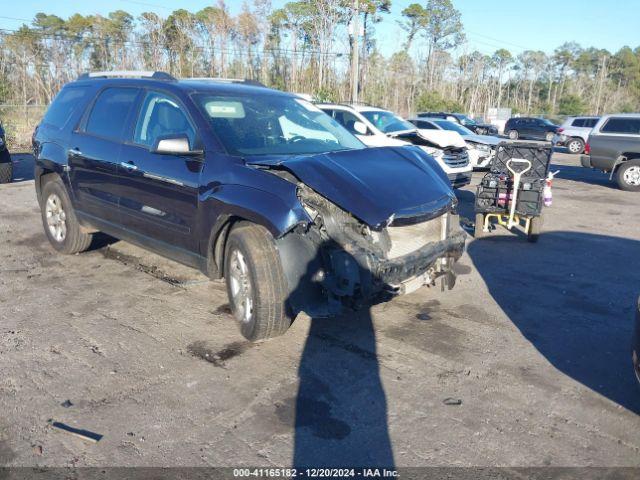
(575, 146)
(56, 218)
(241, 288)
(632, 176)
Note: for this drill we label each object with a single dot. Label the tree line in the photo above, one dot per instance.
(306, 47)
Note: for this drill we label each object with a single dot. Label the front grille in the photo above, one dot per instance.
(406, 239)
(456, 159)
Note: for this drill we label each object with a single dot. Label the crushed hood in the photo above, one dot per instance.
(376, 185)
(443, 138)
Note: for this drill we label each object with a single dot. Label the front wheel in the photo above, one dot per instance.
(256, 285)
(628, 176)
(59, 220)
(513, 134)
(6, 172)
(575, 146)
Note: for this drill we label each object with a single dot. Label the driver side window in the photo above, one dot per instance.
(347, 120)
(162, 116)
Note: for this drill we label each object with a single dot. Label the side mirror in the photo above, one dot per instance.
(360, 128)
(174, 145)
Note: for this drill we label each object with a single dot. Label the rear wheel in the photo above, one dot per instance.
(535, 229)
(575, 146)
(549, 136)
(513, 134)
(256, 285)
(59, 220)
(479, 228)
(628, 176)
(6, 172)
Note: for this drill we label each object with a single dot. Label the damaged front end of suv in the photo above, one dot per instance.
(367, 241)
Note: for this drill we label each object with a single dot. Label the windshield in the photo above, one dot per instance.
(447, 125)
(464, 120)
(273, 125)
(387, 122)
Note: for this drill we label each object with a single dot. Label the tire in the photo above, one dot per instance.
(6, 172)
(256, 285)
(628, 176)
(549, 136)
(479, 227)
(535, 229)
(59, 220)
(513, 134)
(575, 146)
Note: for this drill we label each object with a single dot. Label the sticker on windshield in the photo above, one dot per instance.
(222, 109)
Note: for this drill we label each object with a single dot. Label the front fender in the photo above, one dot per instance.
(224, 203)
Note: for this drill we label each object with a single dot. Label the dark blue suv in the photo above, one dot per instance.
(247, 183)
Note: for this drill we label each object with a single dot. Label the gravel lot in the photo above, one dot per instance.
(534, 342)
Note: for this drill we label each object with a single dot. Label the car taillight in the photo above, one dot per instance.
(587, 149)
(560, 130)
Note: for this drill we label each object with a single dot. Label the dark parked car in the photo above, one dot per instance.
(614, 148)
(250, 184)
(530, 128)
(635, 348)
(476, 127)
(6, 167)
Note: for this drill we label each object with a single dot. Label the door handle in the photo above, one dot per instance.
(129, 166)
(75, 152)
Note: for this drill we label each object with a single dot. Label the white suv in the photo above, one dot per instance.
(574, 133)
(376, 127)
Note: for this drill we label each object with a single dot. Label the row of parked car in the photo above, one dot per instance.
(456, 148)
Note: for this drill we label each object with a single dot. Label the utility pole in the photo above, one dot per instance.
(355, 59)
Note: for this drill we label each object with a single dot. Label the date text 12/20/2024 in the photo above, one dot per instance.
(315, 473)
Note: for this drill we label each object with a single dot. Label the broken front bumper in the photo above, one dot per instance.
(324, 277)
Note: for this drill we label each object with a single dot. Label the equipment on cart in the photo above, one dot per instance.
(515, 189)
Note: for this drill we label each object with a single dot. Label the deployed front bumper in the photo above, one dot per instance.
(324, 277)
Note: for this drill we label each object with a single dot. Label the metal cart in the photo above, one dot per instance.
(511, 193)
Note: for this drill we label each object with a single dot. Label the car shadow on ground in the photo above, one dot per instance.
(572, 295)
(340, 407)
(582, 174)
(23, 163)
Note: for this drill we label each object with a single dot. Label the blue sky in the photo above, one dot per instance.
(489, 24)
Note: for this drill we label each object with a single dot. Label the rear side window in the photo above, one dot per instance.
(110, 111)
(578, 122)
(622, 125)
(590, 122)
(66, 102)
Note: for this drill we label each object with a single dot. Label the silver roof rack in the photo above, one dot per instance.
(246, 81)
(127, 74)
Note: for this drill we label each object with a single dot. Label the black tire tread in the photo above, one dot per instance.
(535, 229)
(76, 240)
(270, 317)
(6, 172)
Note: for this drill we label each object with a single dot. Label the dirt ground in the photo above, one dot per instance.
(525, 363)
